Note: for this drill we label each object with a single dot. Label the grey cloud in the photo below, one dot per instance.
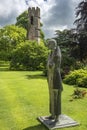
(8, 18)
(61, 14)
(48, 32)
(9, 10)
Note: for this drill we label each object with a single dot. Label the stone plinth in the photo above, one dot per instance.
(64, 121)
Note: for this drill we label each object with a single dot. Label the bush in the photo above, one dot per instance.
(77, 77)
(82, 82)
(29, 56)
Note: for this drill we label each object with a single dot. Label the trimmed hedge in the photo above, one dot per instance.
(77, 77)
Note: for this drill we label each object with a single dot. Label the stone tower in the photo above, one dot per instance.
(34, 24)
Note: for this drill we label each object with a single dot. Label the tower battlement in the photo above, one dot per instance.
(34, 11)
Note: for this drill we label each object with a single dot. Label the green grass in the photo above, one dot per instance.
(24, 97)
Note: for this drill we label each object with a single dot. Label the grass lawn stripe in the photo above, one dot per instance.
(13, 105)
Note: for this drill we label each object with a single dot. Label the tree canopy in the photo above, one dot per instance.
(22, 20)
(81, 29)
(81, 16)
(10, 36)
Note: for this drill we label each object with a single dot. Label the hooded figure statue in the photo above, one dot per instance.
(54, 79)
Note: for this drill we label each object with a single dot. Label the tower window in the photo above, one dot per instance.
(32, 20)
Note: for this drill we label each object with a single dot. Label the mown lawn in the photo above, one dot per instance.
(24, 97)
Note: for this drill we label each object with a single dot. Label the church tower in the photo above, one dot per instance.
(34, 24)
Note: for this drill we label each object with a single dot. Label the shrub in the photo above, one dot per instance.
(77, 77)
(82, 82)
(29, 56)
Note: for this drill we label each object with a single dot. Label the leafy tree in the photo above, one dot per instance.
(22, 20)
(81, 14)
(81, 23)
(10, 36)
(65, 40)
(68, 47)
(29, 56)
(68, 42)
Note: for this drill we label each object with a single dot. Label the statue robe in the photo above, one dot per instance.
(54, 81)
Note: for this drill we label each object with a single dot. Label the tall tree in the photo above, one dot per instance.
(66, 41)
(69, 49)
(22, 20)
(81, 23)
(81, 15)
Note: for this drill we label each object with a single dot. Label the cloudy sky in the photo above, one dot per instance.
(55, 14)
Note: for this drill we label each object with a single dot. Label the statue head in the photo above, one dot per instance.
(52, 44)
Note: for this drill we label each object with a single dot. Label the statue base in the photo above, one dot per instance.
(64, 121)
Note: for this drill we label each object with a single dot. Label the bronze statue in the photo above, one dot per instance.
(56, 119)
(54, 79)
